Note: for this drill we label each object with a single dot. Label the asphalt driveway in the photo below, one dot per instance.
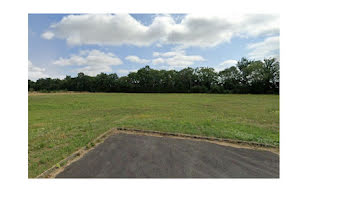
(140, 156)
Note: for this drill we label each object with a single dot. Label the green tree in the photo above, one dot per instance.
(271, 68)
(248, 76)
(230, 79)
(207, 77)
(185, 79)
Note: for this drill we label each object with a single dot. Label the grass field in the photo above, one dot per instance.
(59, 124)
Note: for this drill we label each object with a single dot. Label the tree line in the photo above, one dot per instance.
(248, 76)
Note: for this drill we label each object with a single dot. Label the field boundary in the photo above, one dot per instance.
(59, 167)
(197, 137)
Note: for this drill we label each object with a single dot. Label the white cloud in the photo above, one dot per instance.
(176, 59)
(171, 53)
(35, 72)
(48, 35)
(94, 61)
(156, 54)
(133, 58)
(265, 49)
(124, 72)
(225, 64)
(158, 61)
(209, 31)
(109, 29)
(228, 63)
(193, 30)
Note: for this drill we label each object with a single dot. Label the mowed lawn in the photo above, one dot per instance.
(60, 124)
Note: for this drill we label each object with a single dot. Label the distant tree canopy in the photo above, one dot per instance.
(248, 76)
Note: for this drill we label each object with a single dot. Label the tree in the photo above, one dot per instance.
(113, 79)
(230, 79)
(207, 77)
(249, 76)
(271, 75)
(167, 80)
(255, 77)
(67, 83)
(243, 65)
(31, 85)
(185, 80)
(124, 84)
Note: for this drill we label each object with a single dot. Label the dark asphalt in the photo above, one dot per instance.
(138, 156)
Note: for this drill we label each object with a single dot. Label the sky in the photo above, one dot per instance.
(66, 44)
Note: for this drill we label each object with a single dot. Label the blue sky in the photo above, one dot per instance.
(65, 44)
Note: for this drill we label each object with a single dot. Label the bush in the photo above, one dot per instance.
(199, 89)
(217, 89)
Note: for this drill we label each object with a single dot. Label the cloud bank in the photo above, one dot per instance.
(93, 61)
(35, 72)
(265, 49)
(193, 30)
(176, 59)
(133, 58)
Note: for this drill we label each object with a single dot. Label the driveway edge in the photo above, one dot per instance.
(59, 167)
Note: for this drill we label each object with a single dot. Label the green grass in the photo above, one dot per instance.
(60, 124)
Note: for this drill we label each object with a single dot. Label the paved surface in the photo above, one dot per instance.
(129, 156)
